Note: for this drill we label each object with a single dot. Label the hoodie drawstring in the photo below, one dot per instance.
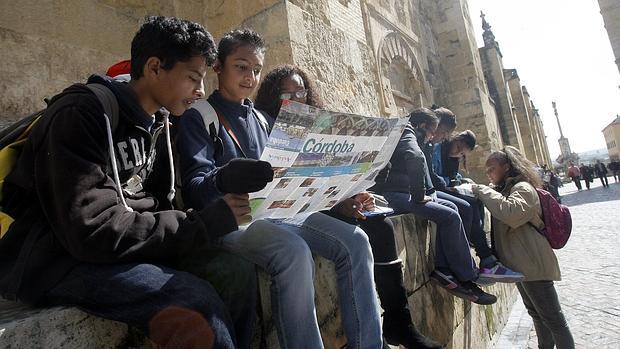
(172, 191)
(117, 179)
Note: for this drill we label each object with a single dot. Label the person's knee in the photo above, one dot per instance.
(451, 206)
(358, 244)
(555, 320)
(465, 209)
(452, 216)
(294, 259)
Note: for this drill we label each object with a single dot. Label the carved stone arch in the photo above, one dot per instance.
(402, 81)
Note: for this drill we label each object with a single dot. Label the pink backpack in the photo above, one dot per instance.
(557, 218)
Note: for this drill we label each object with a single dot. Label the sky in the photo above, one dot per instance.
(562, 53)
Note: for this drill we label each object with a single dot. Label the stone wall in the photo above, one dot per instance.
(370, 57)
(519, 121)
(610, 10)
(327, 39)
(531, 132)
(492, 64)
(466, 91)
(523, 136)
(452, 321)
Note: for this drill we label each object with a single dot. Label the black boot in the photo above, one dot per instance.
(398, 328)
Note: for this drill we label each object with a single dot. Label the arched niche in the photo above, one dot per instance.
(402, 87)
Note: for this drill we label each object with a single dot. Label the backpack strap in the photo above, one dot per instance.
(108, 101)
(212, 120)
(262, 120)
(209, 118)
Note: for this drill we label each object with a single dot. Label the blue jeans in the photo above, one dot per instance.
(451, 245)
(176, 309)
(284, 247)
(470, 211)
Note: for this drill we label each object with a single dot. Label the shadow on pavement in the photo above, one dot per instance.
(595, 194)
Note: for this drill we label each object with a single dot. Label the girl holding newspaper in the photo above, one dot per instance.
(290, 82)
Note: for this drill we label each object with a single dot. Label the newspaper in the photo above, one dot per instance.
(321, 157)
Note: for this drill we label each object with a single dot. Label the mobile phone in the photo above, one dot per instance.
(378, 211)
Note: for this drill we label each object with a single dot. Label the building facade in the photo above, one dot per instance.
(519, 122)
(373, 57)
(612, 138)
(610, 10)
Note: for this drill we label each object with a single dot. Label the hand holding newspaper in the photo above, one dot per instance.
(465, 189)
(320, 158)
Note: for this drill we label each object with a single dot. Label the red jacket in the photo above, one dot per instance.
(573, 171)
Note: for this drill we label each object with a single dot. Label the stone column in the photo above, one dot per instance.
(610, 10)
(466, 93)
(492, 63)
(542, 137)
(532, 129)
(522, 118)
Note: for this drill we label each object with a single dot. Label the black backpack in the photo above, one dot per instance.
(13, 138)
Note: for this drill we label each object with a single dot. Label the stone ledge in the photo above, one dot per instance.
(457, 323)
(58, 327)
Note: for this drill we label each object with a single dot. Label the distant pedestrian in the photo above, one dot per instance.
(586, 174)
(574, 174)
(614, 167)
(551, 183)
(601, 173)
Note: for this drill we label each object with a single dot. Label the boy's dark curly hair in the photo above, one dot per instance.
(171, 40)
(268, 96)
(237, 38)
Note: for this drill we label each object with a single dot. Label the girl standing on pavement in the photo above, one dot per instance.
(517, 217)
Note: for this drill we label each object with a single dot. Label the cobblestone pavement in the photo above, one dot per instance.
(590, 263)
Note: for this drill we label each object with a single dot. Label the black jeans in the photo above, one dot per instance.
(587, 180)
(380, 232)
(174, 308)
(603, 179)
(577, 181)
(543, 305)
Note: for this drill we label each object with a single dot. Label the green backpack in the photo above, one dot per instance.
(14, 137)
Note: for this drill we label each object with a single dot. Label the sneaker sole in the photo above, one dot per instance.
(443, 281)
(465, 296)
(501, 278)
(454, 291)
(485, 282)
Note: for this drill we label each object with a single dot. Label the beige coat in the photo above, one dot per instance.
(518, 244)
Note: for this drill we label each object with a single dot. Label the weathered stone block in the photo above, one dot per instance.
(458, 323)
(22, 327)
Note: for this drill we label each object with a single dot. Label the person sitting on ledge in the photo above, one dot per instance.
(408, 189)
(94, 226)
